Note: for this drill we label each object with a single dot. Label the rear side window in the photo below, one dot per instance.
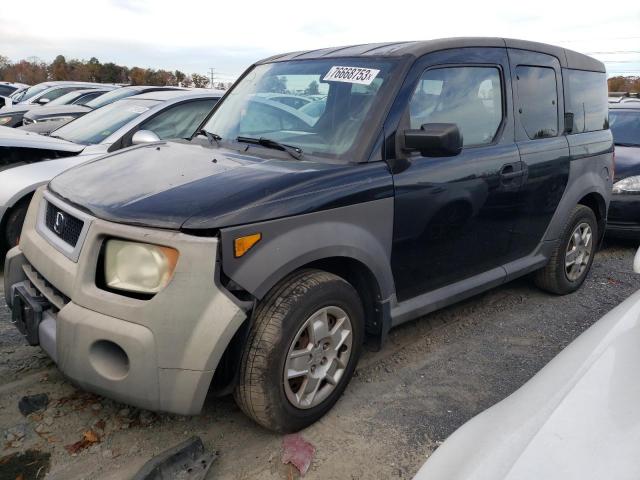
(587, 100)
(537, 101)
(470, 97)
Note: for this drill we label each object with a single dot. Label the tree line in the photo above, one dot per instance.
(624, 84)
(34, 70)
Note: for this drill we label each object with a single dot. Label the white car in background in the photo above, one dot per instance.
(578, 418)
(28, 160)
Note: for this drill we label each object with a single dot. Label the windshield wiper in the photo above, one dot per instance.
(212, 137)
(295, 152)
(625, 144)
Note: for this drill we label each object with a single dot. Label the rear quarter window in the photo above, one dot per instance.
(537, 101)
(587, 100)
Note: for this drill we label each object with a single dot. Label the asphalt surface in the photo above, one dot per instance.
(432, 376)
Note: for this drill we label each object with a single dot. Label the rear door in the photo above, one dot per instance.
(543, 146)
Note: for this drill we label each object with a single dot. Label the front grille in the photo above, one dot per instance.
(63, 225)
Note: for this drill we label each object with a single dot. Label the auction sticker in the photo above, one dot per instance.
(363, 76)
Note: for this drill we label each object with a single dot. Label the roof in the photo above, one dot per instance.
(153, 87)
(625, 106)
(56, 83)
(567, 58)
(163, 95)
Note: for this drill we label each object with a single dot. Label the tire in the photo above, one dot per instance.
(556, 277)
(13, 225)
(277, 333)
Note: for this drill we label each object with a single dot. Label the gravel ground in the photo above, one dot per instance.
(432, 376)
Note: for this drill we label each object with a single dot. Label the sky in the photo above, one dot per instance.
(228, 36)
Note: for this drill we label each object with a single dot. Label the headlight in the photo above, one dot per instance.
(627, 185)
(138, 267)
(5, 120)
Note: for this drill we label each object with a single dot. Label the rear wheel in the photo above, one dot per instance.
(573, 255)
(301, 352)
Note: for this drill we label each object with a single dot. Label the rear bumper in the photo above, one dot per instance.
(159, 354)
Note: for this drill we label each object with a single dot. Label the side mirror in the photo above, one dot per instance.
(42, 101)
(636, 262)
(144, 136)
(434, 140)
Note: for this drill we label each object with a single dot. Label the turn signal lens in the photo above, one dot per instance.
(138, 267)
(242, 245)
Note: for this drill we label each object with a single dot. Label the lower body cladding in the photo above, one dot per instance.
(624, 216)
(158, 353)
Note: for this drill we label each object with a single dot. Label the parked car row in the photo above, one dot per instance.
(28, 160)
(13, 116)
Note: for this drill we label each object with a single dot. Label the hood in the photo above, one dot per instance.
(186, 185)
(578, 418)
(56, 110)
(17, 108)
(627, 162)
(12, 137)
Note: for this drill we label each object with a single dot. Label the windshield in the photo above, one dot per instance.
(110, 97)
(97, 125)
(67, 98)
(319, 106)
(31, 91)
(625, 126)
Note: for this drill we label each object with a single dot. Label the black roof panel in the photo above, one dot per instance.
(567, 58)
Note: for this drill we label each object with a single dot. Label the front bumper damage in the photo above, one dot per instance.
(160, 353)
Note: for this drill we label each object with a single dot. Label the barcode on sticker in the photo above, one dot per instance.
(363, 76)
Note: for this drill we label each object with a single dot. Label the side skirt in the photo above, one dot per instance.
(442, 297)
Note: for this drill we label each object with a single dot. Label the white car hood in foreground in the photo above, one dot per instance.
(14, 137)
(578, 418)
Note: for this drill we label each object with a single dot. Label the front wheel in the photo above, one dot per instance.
(301, 352)
(572, 257)
(13, 225)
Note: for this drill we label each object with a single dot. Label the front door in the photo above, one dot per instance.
(454, 215)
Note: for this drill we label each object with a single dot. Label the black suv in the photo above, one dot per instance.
(260, 255)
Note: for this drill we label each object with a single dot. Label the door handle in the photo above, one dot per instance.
(511, 175)
(511, 172)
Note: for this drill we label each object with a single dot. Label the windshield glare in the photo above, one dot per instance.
(625, 126)
(313, 104)
(110, 97)
(32, 91)
(97, 125)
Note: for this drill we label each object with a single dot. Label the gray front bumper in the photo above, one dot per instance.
(158, 354)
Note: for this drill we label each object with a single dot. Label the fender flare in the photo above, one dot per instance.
(362, 232)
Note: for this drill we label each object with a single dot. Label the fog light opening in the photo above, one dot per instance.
(109, 360)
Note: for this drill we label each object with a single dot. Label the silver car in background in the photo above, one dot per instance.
(28, 160)
(49, 117)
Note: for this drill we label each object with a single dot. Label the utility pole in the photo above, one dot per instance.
(211, 74)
